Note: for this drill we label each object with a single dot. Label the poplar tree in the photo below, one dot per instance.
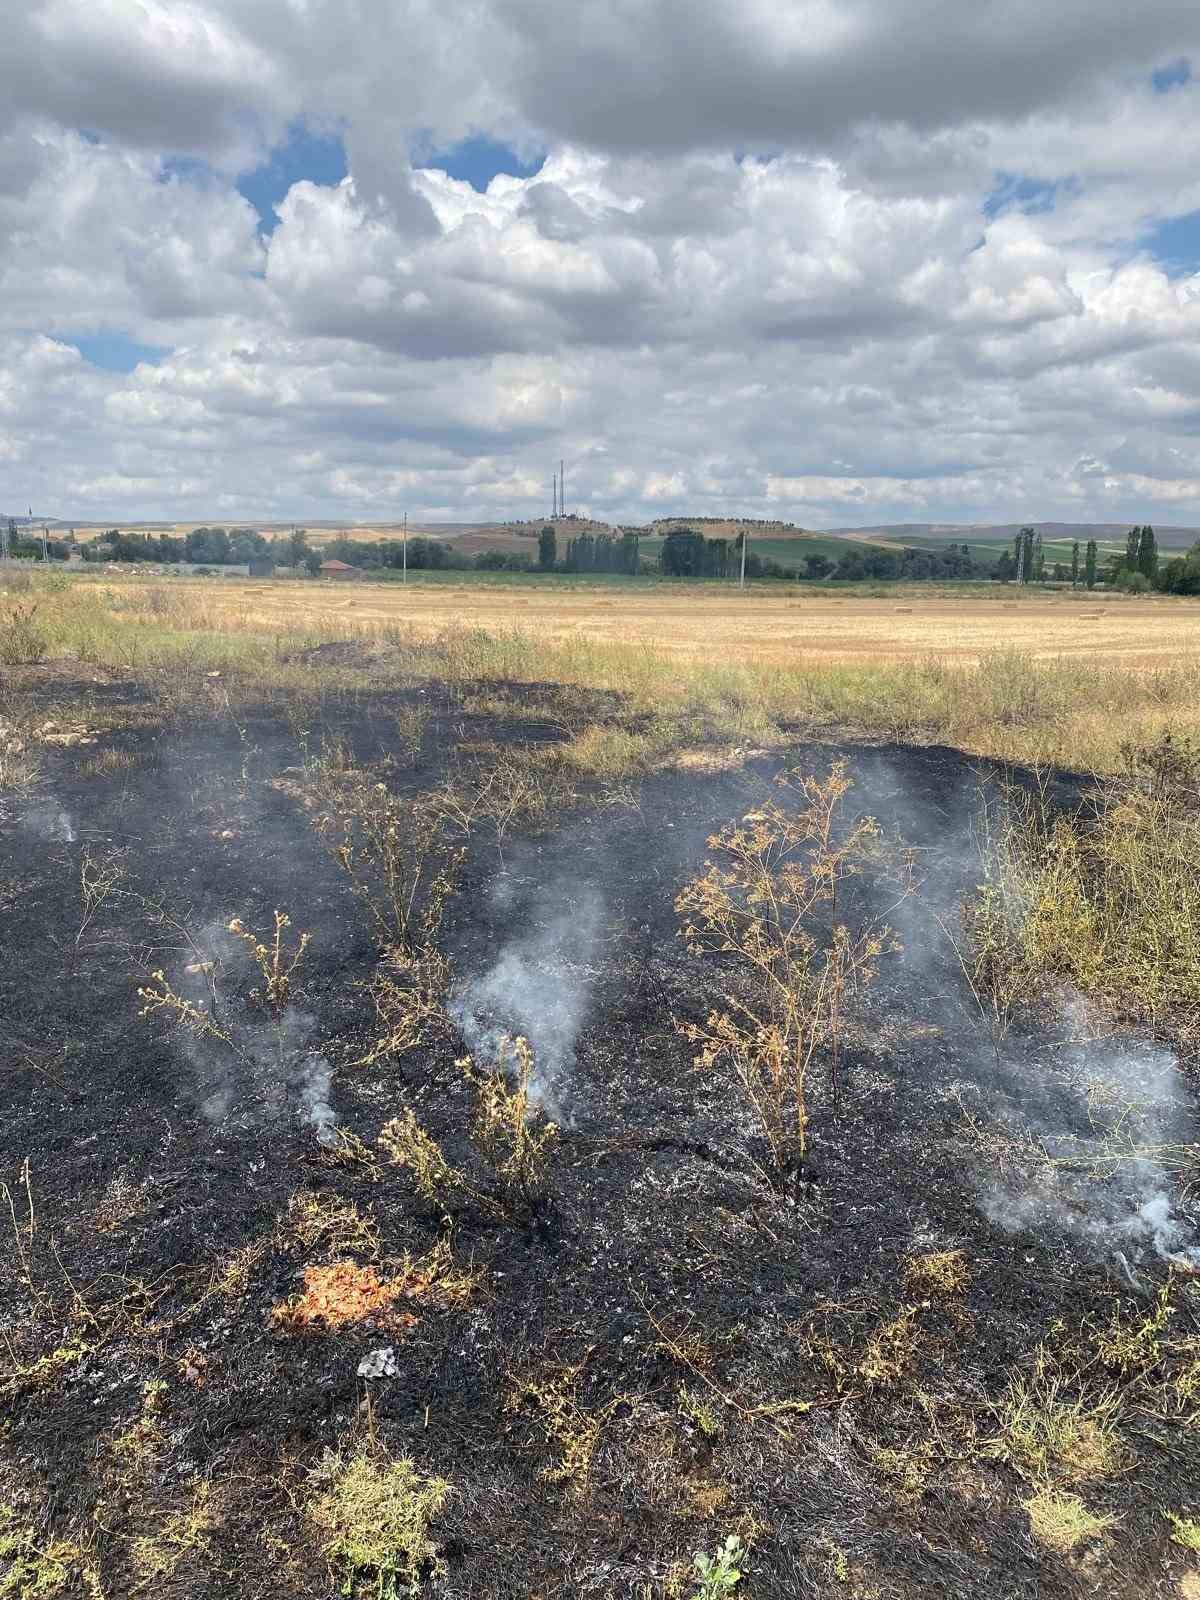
(1075, 565)
(1090, 564)
(1147, 555)
(1025, 554)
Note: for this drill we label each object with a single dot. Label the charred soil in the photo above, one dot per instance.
(669, 1348)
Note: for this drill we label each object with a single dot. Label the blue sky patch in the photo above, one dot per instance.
(319, 157)
(115, 352)
(1031, 195)
(1171, 77)
(1175, 244)
(477, 161)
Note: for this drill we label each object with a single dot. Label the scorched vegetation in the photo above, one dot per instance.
(395, 1204)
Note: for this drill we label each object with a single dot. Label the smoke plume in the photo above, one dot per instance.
(539, 987)
(269, 1070)
(1076, 1125)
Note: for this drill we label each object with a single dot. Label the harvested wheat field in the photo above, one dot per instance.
(704, 620)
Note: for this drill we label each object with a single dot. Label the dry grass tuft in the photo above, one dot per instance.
(1053, 1436)
(22, 638)
(1062, 1522)
(157, 1556)
(939, 1272)
(375, 1518)
(1108, 900)
(891, 1350)
(106, 762)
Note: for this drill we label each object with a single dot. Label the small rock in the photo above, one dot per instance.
(378, 1363)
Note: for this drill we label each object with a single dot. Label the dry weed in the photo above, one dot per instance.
(394, 852)
(1051, 1434)
(375, 1517)
(569, 1430)
(508, 1133)
(769, 903)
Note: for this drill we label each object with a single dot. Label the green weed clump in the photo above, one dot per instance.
(22, 641)
(34, 1567)
(1185, 1531)
(1107, 898)
(375, 1517)
(720, 1574)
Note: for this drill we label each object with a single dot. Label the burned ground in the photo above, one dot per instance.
(670, 1350)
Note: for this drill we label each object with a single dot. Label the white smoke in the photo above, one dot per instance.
(313, 1100)
(269, 1070)
(48, 820)
(1088, 1128)
(539, 987)
(1080, 1128)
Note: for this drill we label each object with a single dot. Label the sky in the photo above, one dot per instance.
(838, 262)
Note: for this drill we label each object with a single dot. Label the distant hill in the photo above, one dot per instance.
(726, 527)
(930, 533)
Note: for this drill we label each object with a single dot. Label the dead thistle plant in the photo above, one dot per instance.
(274, 962)
(207, 1016)
(409, 992)
(394, 852)
(770, 903)
(507, 1132)
(100, 877)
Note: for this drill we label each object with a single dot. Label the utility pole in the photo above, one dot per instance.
(562, 483)
(553, 496)
(405, 578)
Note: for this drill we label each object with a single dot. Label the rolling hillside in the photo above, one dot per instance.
(928, 535)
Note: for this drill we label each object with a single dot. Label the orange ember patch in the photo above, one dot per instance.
(341, 1294)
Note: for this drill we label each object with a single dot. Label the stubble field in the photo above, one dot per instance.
(785, 626)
